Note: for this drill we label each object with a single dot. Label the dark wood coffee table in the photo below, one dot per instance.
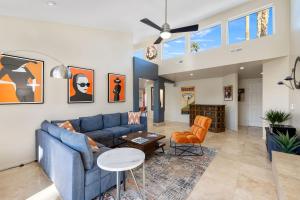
(148, 147)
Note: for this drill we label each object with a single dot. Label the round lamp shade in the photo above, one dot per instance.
(61, 72)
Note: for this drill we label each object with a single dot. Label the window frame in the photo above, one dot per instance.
(201, 29)
(184, 35)
(248, 13)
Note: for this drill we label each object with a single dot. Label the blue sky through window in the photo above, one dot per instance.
(237, 30)
(139, 54)
(237, 27)
(206, 39)
(174, 48)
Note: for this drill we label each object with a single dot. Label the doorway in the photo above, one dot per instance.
(146, 97)
(250, 102)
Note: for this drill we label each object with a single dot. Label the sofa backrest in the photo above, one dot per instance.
(91, 123)
(112, 120)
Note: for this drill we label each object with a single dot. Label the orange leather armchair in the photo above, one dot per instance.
(187, 140)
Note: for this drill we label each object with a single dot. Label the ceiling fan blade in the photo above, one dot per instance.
(150, 23)
(158, 41)
(185, 29)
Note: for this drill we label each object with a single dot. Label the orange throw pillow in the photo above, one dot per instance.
(68, 126)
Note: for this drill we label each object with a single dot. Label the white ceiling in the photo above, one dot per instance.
(119, 15)
(251, 70)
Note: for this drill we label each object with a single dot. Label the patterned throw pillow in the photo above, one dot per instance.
(134, 117)
(68, 126)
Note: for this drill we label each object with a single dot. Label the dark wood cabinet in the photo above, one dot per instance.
(215, 112)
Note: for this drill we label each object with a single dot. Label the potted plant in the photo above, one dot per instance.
(287, 144)
(276, 118)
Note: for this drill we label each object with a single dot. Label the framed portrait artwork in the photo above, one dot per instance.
(81, 85)
(21, 80)
(116, 88)
(228, 93)
(187, 98)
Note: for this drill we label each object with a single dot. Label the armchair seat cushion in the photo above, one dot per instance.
(118, 131)
(185, 138)
(93, 175)
(135, 127)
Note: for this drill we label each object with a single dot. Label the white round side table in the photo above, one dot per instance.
(123, 159)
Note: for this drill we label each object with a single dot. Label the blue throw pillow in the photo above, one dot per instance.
(45, 125)
(79, 142)
(112, 120)
(93, 123)
(124, 118)
(55, 131)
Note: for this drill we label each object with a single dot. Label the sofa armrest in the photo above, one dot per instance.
(62, 164)
(144, 121)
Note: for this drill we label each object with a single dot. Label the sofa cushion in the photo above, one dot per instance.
(75, 123)
(45, 125)
(91, 123)
(135, 127)
(112, 120)
(55, 131)
(124, 118)
(79, 142)
(102, 136)
(92, 175)
(118, 131)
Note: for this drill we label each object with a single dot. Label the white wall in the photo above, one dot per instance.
(103, 51)
(295, 51)
(275, 96)
(250, 109)
(207, 91)
(231, 107)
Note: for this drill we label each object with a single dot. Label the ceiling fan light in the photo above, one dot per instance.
(165, 35)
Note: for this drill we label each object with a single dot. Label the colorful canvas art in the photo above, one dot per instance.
(116, 88)
(81, 86)
(187, 98)
(21, 80)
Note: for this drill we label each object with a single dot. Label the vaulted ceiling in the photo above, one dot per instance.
(118, 15)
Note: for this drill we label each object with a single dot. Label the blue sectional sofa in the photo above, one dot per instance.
(68, 160)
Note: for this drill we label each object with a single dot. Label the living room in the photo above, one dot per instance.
(95, 66)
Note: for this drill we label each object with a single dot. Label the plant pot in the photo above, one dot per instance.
(277, 128)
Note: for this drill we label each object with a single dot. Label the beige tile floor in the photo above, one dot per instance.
(240, 171)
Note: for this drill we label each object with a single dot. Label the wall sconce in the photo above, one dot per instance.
(293, 83)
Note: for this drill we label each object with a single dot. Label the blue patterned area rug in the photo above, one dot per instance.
(168, 177)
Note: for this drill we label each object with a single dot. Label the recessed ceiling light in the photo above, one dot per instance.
(51, 3)
(191, 74)
(242, 68)
(261, 73)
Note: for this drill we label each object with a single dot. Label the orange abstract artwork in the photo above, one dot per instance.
(81, 85)
(116, 88)
(21, 80)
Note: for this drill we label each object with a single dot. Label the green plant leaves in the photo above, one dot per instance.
(287, 144)
(276, 116)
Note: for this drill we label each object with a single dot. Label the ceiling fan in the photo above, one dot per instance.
(165, 30)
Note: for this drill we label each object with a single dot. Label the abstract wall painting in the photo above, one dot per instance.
(187, 98)
(116, 88)
(81, 85)
(21, 80)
